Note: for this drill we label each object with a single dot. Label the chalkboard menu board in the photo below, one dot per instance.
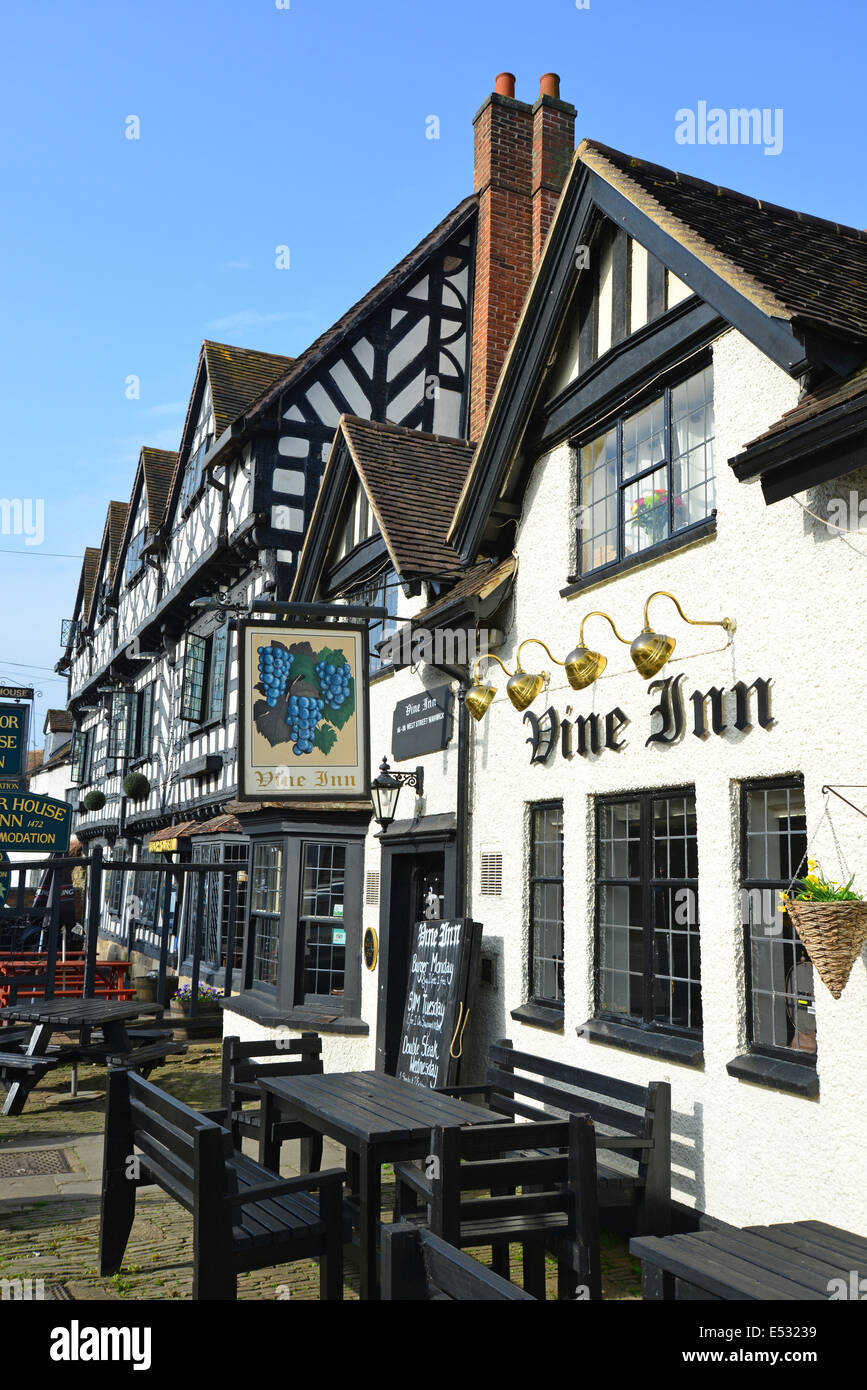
(443, 968)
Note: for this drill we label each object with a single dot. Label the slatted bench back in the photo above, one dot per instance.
(481, 1158)
(536, 1088)
(175, 1141)
(243, 1066)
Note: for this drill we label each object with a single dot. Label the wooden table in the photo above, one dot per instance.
(792, 1261)
(379, 1120)
(49, 1016)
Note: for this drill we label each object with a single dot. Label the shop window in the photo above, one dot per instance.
(781, 1017)
(648, 953)
(265, 906)
(322, 945)
(546, 903)
(648, 477)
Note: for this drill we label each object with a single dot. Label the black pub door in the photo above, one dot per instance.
(417, 891)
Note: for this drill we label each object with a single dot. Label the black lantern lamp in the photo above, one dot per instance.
(385, 790)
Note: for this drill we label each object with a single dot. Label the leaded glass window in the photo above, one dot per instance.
(265, 906)
(648, 942)
(546, 903)
(649, 476)
(323, 929)
(779, 974)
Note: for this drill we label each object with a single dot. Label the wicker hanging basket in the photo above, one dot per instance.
(833, 933)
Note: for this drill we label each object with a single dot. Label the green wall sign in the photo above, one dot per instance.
(34, 823)
(5, 877)
(13, 740)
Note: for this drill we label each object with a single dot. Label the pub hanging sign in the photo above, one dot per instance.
(32, 823)
(303, 713)
(13, 742)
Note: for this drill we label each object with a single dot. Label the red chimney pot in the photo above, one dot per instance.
(505, 85)
(549, 85)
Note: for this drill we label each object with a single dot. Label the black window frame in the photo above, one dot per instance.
(81, 760)
(647, 882)
(134, 553)
(791, 782)
(313, 920)
(209, 704)
(140, 741)
(533, 879)
(595, 429)
(256, 916)
(379, 590)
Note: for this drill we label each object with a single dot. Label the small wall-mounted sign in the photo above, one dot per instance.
(163, 846)
(338, 936)
(16, 692)
(371, 948)
(422, 723)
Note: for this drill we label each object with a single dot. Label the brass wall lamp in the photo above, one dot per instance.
(651, 650)
(480, 694)
(583, 666)
(524, 686)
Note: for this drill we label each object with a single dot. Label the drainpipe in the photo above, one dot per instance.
(463, 789)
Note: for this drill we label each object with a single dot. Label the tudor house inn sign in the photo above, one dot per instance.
(713, 712)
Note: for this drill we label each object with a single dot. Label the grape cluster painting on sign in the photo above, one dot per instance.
(303, 695)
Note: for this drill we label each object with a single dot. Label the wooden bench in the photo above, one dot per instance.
(243, 1067)
(555, 1209)
(143, 1059)
(244, 1217)
(419, 1266)
(631, 1120)
(22, 972)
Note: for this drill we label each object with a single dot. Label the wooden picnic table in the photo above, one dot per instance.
(378, 1119)
(49, 1016)
(791, 1261)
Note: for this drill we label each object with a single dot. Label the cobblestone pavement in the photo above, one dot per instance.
(50, 1223)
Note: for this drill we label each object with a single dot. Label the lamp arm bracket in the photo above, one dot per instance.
(539, 643)
(597, 613)
(728, 623)
(489, 656)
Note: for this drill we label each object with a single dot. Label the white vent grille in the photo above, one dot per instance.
(371, 888)
(492, 874)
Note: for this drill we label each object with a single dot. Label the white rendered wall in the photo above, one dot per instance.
(742, 1152)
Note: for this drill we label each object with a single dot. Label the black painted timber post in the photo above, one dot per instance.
(91, 919)
(198, 927)
(166, 885)
(230, 935)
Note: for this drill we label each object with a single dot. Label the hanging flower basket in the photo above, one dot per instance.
(832, 923)
(833, 934)
(136, 786)
(94, 801)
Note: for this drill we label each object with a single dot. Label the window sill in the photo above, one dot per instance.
(704, 531)
(688, 1051)
(539, 1016)
(795, 1077)
(136, 577)
(195, 729)
(381, 674)
(271, 1015)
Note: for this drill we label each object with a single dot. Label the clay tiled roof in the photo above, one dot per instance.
(59, 721)
(478, 582)
(238, 377)
(413, 481)
(34, 760)
(116, 524)
(159, 467)
(371, 300)
(826, 397)
(790, 264)
(88, 579)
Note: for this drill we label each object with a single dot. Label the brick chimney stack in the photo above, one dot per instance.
(522, 157)
(553, 147)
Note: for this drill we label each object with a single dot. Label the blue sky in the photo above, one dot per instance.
(305, 126)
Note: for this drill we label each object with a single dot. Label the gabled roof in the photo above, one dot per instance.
(109, 551)
(397, 276)
(159, 466)
(478, 582)
(793, 284)
(238, 377)
(790, 264)
(87, 583)
(412, 481)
